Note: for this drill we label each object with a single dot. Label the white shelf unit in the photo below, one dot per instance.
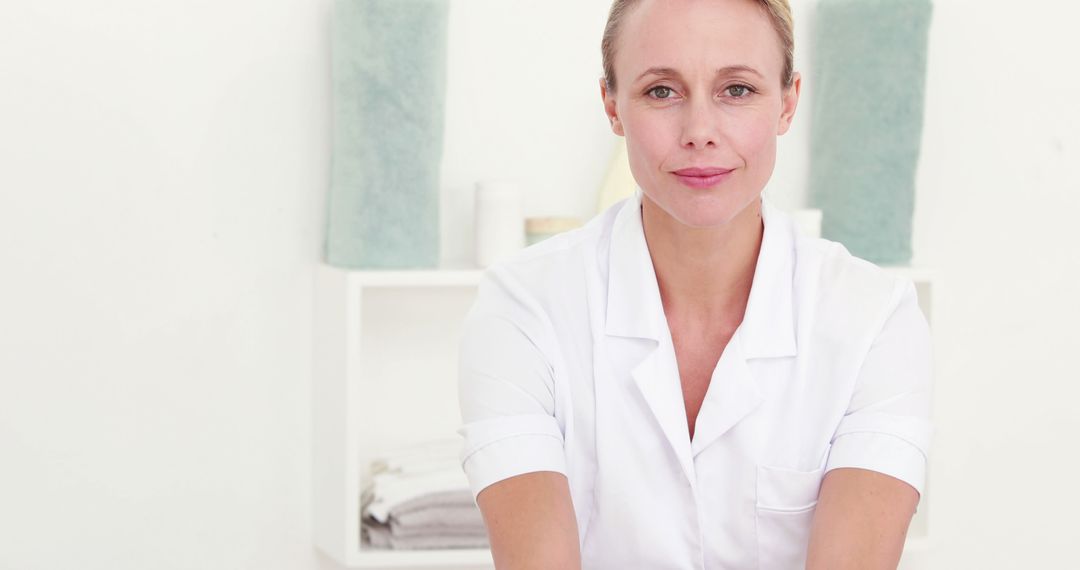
(385, 375)
(386, 342)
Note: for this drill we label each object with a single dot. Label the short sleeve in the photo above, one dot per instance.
(506, 387)
(887, 426)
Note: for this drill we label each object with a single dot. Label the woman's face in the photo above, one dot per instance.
(699, 87)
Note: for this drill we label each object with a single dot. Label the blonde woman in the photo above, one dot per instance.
(687, 381)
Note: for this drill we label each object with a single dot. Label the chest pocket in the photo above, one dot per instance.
(786, 501)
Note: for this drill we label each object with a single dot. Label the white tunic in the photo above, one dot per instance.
(567, 365)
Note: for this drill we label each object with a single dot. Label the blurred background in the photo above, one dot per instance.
(163, 180)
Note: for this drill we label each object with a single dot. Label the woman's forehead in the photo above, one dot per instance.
(695, 36)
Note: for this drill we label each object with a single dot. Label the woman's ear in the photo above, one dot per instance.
(790, 102)
(610, 109)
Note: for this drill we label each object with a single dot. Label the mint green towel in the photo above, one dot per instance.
(869, 74)
(389, 91)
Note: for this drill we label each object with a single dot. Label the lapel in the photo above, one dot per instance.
(766, 331)
(635, 312)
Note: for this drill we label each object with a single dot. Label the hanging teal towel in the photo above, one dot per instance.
(389, 91)
(869, 74)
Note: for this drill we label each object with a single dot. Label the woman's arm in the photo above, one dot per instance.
(530, 521)
(861, 521)
(877, 460)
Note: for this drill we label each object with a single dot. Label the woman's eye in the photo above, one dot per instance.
(660, 92)
(738, 91)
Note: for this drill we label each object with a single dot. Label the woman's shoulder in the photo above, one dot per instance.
(843, 284)
(841, 268)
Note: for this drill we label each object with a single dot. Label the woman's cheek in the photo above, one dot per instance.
(655, 134)
(752, 135)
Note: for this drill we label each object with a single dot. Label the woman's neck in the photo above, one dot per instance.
(704, 274)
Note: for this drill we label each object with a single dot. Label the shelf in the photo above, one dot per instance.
(384, 371)
(472, 558)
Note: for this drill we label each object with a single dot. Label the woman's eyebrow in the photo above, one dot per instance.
(672, 72)
(737, 68)
(661, 71)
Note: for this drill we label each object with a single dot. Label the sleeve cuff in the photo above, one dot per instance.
(880, 452)
(500, 448)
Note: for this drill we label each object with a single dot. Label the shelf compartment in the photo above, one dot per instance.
(385, 341)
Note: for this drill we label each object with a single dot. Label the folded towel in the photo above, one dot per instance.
(446, 512)
(455, 520)
(429, 526)
(418, 497)
(866, 121)
(381, 537)
(391, 492)
(416, 476)
(452, 520)
(433, 500)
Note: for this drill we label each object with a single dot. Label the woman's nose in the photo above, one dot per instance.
(699, 126)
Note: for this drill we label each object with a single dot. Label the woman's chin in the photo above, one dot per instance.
(699, 220)
(704, 209)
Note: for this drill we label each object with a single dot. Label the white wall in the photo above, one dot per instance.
(999, 205)
(163, 170)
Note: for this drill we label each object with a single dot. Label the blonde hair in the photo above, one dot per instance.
(779, 12)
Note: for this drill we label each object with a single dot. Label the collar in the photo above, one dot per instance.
(634, 308)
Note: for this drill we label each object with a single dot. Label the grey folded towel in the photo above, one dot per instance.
(387, 541)
(443, 519)
(464, 518)
(456, 498)
(379, 535)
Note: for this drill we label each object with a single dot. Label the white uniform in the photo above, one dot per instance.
(567, 365)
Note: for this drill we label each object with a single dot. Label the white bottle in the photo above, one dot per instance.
(500, 220)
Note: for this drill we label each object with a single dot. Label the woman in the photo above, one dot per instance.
(686, 381)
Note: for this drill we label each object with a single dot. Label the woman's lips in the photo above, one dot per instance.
(702, 177)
